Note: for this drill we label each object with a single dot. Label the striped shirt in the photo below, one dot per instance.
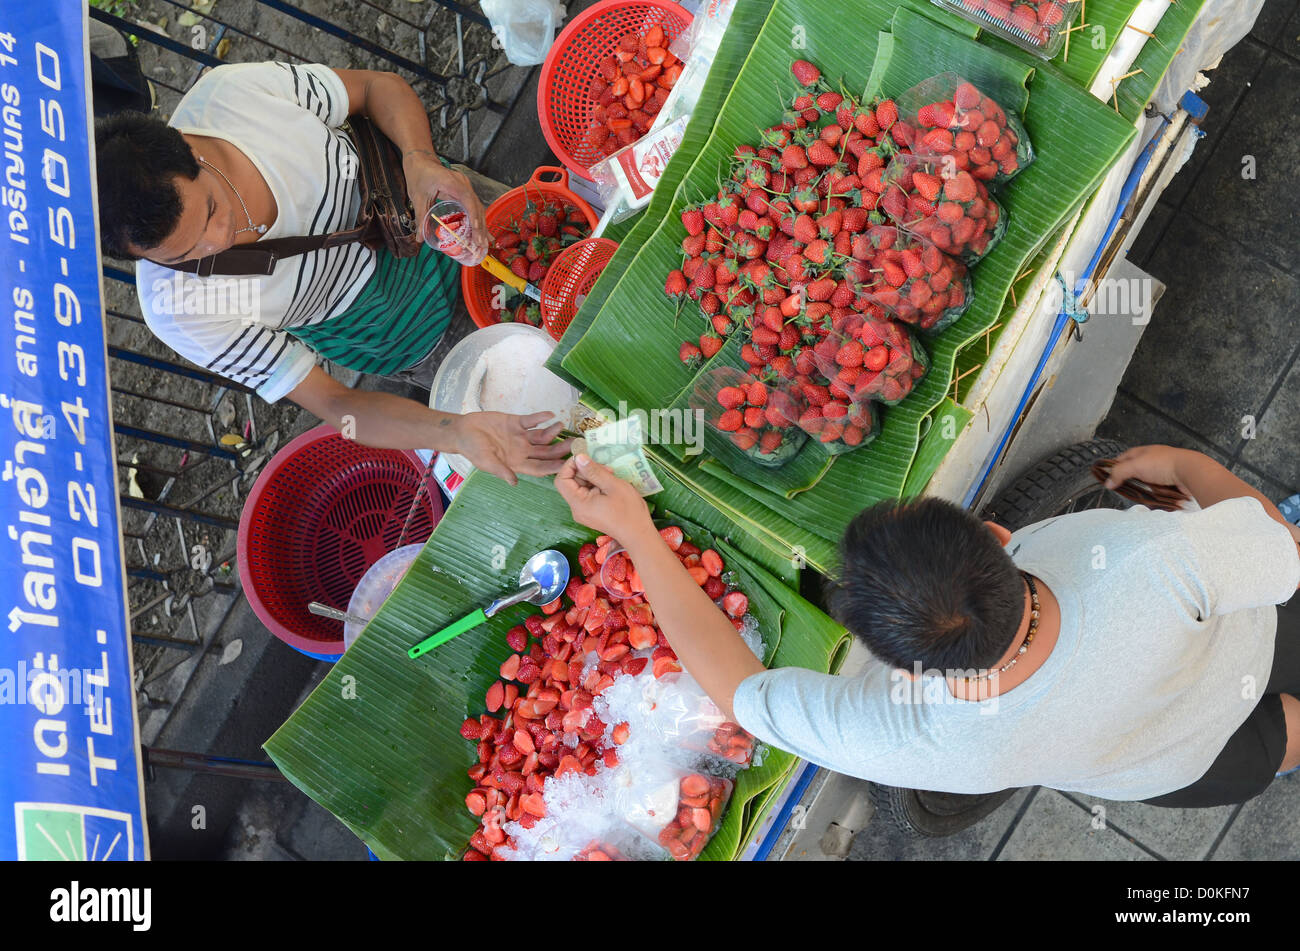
(286, 119)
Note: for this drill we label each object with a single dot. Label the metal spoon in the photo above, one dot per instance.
(542, 580)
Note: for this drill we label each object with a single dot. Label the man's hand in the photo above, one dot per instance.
(505, 445)
(392, 104)
(428, 180)
(601, 500)
(1154, 465)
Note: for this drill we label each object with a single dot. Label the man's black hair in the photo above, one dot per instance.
(136, 159)
(927, 581)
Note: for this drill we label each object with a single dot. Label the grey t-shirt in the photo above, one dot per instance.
(1166, 644)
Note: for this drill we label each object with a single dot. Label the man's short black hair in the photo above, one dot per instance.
(927, 581)
(136, 159)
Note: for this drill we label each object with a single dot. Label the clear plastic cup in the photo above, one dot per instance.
(614, 588)
(462, 245)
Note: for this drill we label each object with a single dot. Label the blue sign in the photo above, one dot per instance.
(70, 784)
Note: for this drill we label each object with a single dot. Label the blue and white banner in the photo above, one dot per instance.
(70, 780)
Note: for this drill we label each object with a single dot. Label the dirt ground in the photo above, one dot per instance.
(192, 564)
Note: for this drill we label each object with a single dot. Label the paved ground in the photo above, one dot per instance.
(1209, 360)
(1218, 361)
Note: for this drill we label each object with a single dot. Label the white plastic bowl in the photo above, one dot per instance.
(501, 369)
(376, 585)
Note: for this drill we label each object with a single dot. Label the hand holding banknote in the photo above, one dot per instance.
(601, 500)
(617, 444)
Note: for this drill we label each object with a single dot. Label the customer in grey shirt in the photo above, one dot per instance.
(1126, 655)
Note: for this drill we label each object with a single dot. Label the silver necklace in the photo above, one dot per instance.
(1033, 629)
(260, 229)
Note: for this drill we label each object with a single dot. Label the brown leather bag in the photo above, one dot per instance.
(386, 218)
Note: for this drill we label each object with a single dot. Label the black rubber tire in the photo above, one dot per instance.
(1058, 485)
(923, 814)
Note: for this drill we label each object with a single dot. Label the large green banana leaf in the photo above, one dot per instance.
(377, 744)
(1156, 55)
(629, 353)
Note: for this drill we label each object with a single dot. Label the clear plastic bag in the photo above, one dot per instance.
(524, 28)
(679, 713)
(916, 282)
(840, 424)
(1035, 25)
(950, 208)
(677, 808)
(760, 419)
(872, 359)
(948, 116)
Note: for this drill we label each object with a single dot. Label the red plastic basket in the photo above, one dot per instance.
(563, 105)
(476, 284)
(570, 279)
(323, 511)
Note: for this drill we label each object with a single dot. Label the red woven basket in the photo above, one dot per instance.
(477, 286)
(563, 106)
(322, 512)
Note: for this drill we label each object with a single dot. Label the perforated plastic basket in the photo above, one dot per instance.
(322, 512)
(477, 285)
(563, 106)
(571, 279)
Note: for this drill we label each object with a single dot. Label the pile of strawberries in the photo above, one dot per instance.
(786, 254)
(1032, 20)
(529, 244)
(956, 120)
(870, 360)
(953, 212)
(919, 284)
(562, 659)
(631, 89)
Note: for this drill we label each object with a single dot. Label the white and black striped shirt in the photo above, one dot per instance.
(286, 119)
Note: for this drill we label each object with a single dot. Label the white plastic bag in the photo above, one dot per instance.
(524, 28)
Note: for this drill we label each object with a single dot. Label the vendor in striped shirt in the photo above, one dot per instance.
(255, 150)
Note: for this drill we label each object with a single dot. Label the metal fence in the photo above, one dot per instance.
(190, 443)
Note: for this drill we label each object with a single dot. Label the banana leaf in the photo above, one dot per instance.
(377, 743)
(785, 539)
(634, 327)
(1134, 93)
(678, 499)
(944, 425)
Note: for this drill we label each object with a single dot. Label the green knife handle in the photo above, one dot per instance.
(466, 623)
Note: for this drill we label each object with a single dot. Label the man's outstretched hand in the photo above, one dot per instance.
(508, 446)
